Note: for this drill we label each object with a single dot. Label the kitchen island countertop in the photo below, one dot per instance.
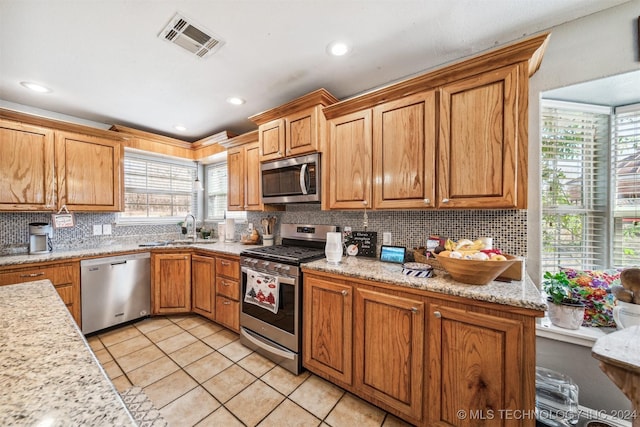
(522, 294)
(49, 375)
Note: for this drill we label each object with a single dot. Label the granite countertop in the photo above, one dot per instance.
(516, 293)
(49, 376)
(233, 248)
(620, 348)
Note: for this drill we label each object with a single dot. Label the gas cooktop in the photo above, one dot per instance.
(281, 253)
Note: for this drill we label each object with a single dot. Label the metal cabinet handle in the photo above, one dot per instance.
(437, 314)
(364, 202)
(445, 200)
(427, 201)
(226, 302)
(225, 284)
(414, 310)
(33, 274)
(225, 263)
(344, 293)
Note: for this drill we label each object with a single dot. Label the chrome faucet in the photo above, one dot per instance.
(186, 225)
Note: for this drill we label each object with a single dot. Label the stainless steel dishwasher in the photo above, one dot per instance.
(114, 290)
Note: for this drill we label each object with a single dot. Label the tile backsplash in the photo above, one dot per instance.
(408, 228)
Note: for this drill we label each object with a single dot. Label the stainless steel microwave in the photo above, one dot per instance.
(294, 180)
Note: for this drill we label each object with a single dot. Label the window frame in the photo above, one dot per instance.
(145, 156)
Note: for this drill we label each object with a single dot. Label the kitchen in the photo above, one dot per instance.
(409, 227)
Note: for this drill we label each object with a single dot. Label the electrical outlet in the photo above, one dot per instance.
(250, 226)
(106, 228)
(97, 229)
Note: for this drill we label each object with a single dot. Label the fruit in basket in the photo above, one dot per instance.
(498, 257)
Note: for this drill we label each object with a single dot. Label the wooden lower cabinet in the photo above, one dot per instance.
(327, 328)
(203, 290)
(421, 356)
(64, 276)
(227, 310)
(477, 364)
(389, 350)
(171, 283)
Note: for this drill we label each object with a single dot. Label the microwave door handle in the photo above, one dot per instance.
(303, 184)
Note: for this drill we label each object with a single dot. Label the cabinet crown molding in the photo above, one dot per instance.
(317, 97)
(530, 50)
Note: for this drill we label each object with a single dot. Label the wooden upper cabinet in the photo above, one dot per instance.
(271, 138)
(349, 176)
(26, 167)
(483, 147)
(476, 362)
(243, 170)
(253, 178)
(294, 128)
(404, 148)
(89, 171)
(235, 182)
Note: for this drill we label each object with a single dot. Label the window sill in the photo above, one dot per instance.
(584, 336)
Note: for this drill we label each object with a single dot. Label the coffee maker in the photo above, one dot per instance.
(40, 234)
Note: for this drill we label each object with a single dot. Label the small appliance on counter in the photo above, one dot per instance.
(40, 234)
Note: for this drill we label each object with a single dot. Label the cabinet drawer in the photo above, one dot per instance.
(63, 274)
(228, 313)
(228, 268)
(228, 288)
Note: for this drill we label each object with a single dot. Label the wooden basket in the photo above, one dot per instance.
(475, 272)
(419, 256)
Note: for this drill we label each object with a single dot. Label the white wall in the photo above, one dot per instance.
(599, 45)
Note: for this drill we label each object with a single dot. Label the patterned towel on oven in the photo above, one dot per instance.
(263, 290)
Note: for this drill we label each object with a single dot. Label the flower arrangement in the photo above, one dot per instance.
(589, 287)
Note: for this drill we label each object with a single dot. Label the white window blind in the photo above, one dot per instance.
(626, 186)
(157, 190)
(575, 179)
(216, 194)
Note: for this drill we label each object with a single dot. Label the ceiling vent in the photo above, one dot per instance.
(196, 39)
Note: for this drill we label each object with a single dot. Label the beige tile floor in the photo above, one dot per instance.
(198, 373)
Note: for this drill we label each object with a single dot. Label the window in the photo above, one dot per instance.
(589, 187)
(626, 186)
(216, 194)
(157, 189)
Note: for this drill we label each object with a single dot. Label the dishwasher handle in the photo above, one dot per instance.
(119, 263)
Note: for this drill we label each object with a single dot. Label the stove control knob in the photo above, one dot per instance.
(277, 267)
(285, 268)
(265, 263)
(253, 261)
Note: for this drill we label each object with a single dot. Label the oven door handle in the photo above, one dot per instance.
(249, 336)
(284, 280)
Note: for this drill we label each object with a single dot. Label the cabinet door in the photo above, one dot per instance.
(479, 142)
(350, 147)
(228, 313)
(271, 137)
(475, 364)
(203, 285)
(65, 277)
(26, 167)
(327, 344)
(235, 181)
(389, 350)
(253, 178)
(404, 149)
(171, 283)
(302, 132)
(89, 172)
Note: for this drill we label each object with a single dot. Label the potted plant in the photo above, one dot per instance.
(564, 301)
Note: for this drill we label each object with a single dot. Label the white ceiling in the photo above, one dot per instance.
(104, 61)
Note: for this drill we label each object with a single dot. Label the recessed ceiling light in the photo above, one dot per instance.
(235, 100)
(35, 87)
(180, 128)
(338, 48)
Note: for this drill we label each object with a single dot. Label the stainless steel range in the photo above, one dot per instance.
(271, 300)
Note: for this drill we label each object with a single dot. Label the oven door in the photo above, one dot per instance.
(282, 327)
